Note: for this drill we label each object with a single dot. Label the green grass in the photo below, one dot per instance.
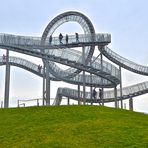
(72, 126)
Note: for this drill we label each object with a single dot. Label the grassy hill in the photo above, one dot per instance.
(72, 126)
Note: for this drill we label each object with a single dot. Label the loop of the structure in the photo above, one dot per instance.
(88, 28)
(105, 75)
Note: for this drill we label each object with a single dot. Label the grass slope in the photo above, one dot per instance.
(72, 126)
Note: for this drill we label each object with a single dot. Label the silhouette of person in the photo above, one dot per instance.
(100, 93)
(60, 37)
(4, 57)
(39, 67)
(94, 93)
(50, 39)
(66, 39)
(77, 37)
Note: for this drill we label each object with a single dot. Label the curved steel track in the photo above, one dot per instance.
(105, 74)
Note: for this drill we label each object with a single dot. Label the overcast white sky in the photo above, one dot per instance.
(126, 21)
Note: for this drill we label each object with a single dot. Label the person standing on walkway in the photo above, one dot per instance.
(77, 37)
(50, 39)
(66, 38)
(100, 93)
(94, 93)
(60, 37)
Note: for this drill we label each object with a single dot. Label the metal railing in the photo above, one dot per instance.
(123, 62)
(78, 79)
(130, 91)
(15, 40)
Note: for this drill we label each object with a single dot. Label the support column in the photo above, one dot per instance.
(68, 101)
(121, 87)
(44, 76)
(91, 94)
(46, 83)
(7, 81)
(131, 104)
(79, 101)
(83, 57)
(91, 99)
(102, 96)
(115, 95)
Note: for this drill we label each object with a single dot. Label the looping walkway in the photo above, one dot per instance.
(58, 49)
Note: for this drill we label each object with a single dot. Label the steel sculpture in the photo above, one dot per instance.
(58, 49)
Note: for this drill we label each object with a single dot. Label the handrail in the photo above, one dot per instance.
(30, 41)
(34, 68)
(129, 91)
(123, 62)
